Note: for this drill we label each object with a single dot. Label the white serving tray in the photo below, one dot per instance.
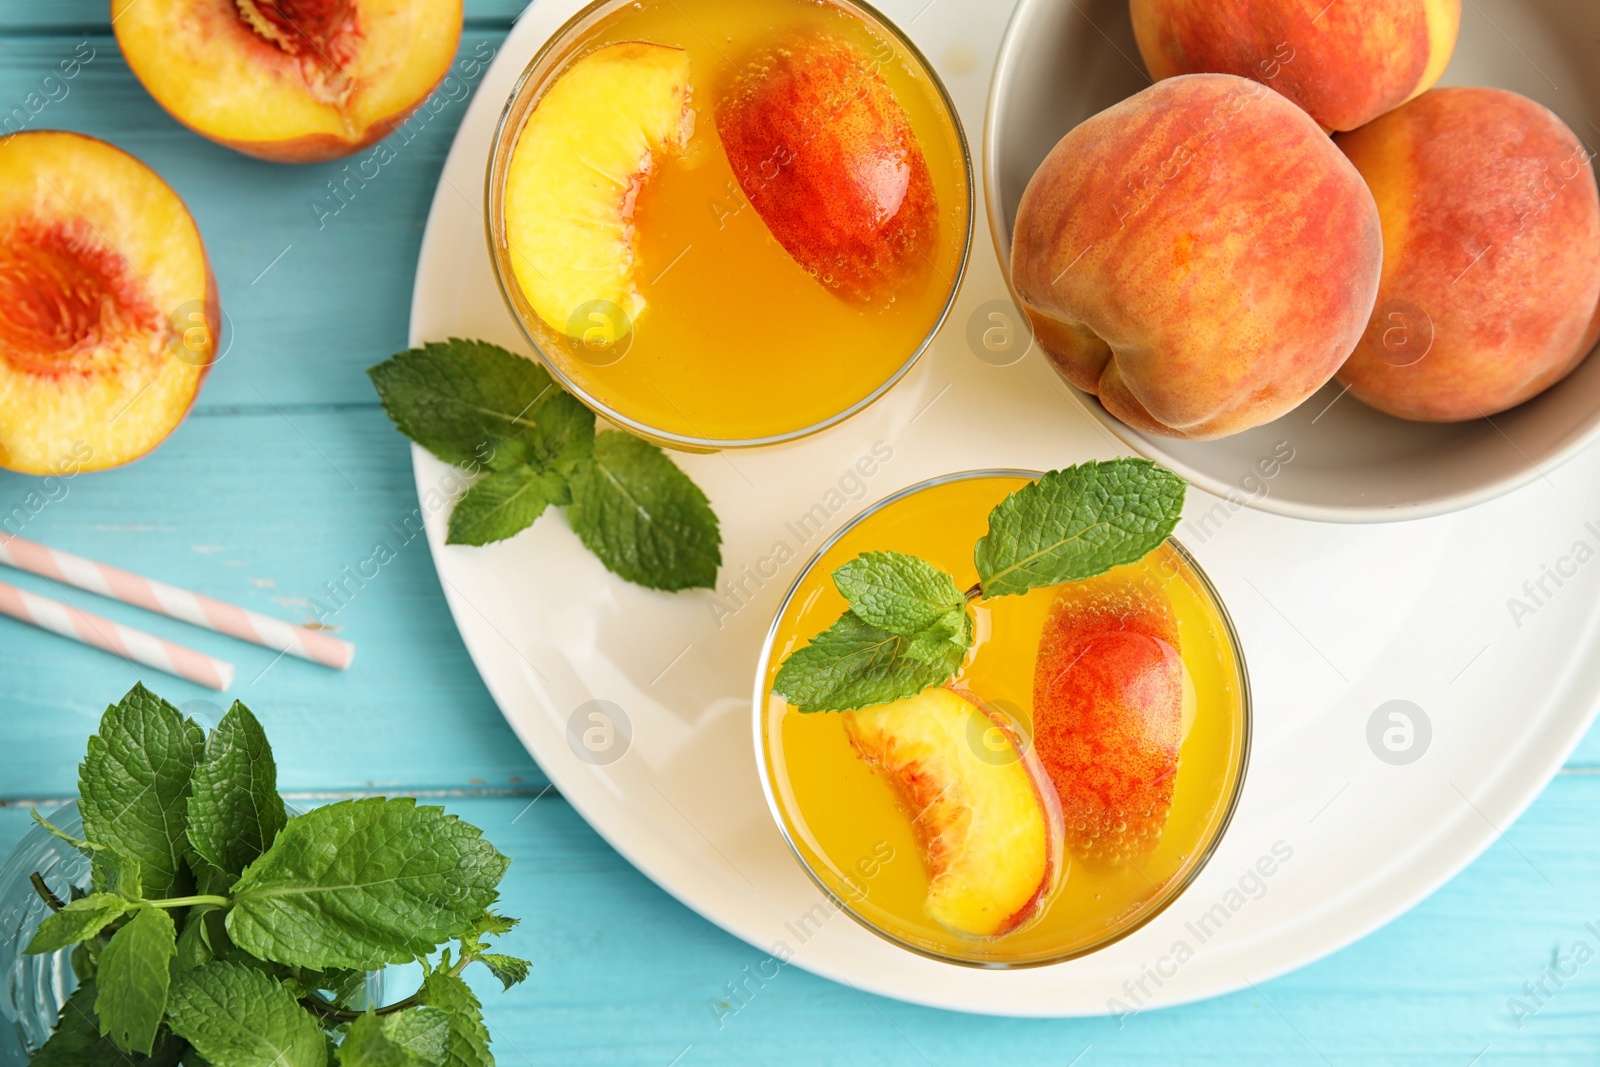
(1336, 622)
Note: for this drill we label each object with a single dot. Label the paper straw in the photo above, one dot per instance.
(169, 600)
(124, 641)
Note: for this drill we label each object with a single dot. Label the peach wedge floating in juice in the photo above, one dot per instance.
(1061, 789)
(108, 310)
(729, 244)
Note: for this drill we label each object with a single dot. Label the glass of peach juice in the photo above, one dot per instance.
(1113, 712)
(729, 223)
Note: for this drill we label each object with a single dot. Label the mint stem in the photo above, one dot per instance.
(975, 593)
(184, 902)
(326, 1008)
(55, 902)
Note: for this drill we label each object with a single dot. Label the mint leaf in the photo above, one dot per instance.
(133, 979)
(897, 592)
(466, 1041)
(362, 883)
(134, 785)
(855, 665)
(456, 398)
(367, 1044)
(237, 1016)
(490, 925)
(77, 1041)
(504, 503)
(931, 645)
(112, 870)
(234, 807)
(422, 1031)
(80, 920)
(563, 435)
(58, 833)
(645, 519)
(509, 969)
(1076, 523)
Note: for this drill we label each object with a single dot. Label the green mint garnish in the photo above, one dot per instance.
(255, 944)
(1076, 523)
(897, 592)
(239, 1016)
(643, 517)
(494, 412)
(134, 974)
(133, 786)
(234, 808)
(853, 664)
(907, 628)
(362, 883)
(80, 920)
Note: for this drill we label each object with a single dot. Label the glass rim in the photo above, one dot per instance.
(1173, 890)
(511, 293)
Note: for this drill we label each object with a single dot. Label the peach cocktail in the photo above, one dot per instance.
(1065, 784)
(725, 224)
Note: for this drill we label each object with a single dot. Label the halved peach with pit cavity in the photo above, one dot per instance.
(294, 81)
(108, 309)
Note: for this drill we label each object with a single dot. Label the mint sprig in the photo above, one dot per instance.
(1076, 523)
(907, 628)
(494, 412)
(261, 962)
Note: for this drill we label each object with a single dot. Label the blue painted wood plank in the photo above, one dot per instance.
(263, 509)
(625, 975)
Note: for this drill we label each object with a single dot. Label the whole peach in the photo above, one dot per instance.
(1491, 273)
(1345, 62)
(1200, 256)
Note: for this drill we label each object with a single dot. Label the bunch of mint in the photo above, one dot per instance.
(220, 932)
(479, 406)
(908, 629)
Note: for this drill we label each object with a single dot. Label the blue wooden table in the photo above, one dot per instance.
(287, 472)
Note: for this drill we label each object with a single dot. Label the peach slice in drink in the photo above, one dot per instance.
(828, 158)
(988, 827)
(1109, 700)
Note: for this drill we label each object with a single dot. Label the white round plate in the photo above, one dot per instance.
(1063, 62)
(1335, 621)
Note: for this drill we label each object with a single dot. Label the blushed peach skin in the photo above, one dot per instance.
(1199, 256)
(1491, 227)
(291, 81)
(1344, 62)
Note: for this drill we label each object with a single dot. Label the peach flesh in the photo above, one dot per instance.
(290, 81)
(108, 310)
(62, 293)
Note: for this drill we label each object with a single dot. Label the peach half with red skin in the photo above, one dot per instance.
(1345, 63)
(1491, 272)
(293, 81)
(829, 160)
(985, 817)
(1109, 701)
(108, 309)
(1199, 256)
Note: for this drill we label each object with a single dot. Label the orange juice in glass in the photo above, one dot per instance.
(728, 223)
(1058, 792)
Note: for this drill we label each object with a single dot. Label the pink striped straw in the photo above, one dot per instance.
(113, 637)
(169, 600)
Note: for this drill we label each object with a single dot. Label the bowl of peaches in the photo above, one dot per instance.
(1364, 236)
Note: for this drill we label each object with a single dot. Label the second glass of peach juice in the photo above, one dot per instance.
(727, 223)
(1123, 699)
